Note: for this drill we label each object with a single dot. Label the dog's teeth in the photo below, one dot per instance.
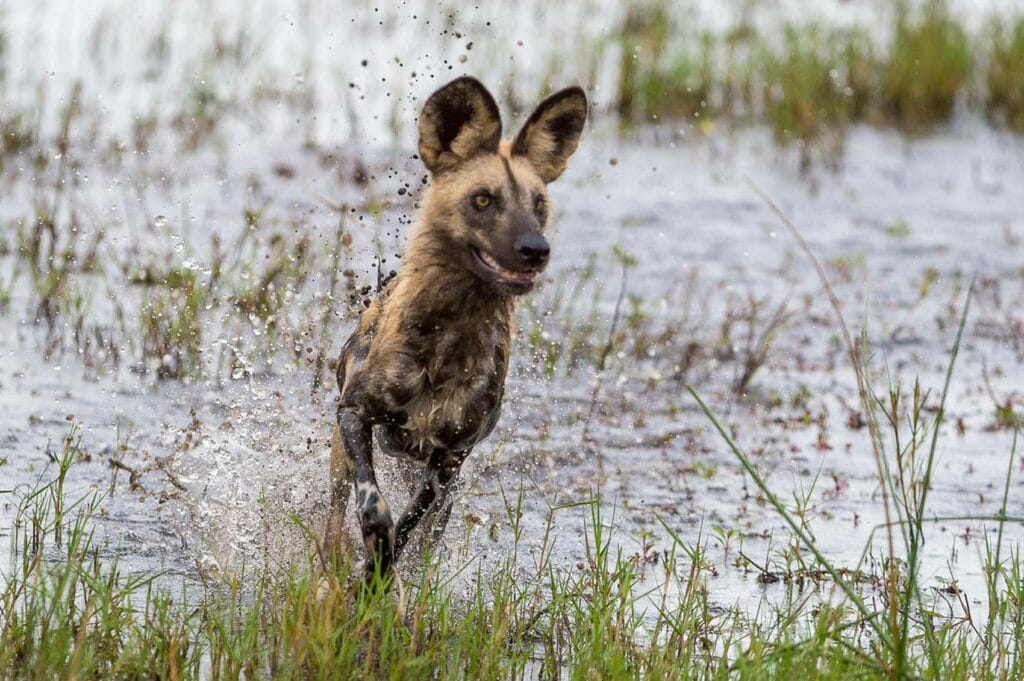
(508, 275)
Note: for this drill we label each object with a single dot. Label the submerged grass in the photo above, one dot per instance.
(810, 84)
(68, 609)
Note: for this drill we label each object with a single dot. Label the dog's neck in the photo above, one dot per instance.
(433, 285)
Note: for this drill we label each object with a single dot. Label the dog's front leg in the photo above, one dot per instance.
(374, 515)
(442, 467)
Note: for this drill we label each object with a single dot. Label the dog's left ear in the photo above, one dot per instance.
(552, 132)
(458, 122)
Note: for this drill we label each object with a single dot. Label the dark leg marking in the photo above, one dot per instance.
(374, 515)
(433, 494)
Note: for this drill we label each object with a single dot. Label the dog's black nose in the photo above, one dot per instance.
(534, 248)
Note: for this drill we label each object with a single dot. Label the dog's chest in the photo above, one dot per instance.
(457, 395)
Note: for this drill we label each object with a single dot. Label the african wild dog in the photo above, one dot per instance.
(425, 369)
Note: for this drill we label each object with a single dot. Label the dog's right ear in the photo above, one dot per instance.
(458, 122)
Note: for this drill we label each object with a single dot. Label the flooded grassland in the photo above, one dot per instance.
(176, 275)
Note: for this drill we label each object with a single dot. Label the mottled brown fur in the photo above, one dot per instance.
(425, 368)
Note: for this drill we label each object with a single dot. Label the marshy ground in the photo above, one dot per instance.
(195, 202)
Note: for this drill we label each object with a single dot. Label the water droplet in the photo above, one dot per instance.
(160, 221)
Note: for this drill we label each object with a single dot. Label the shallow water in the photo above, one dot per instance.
(248, 464)
(903, 226)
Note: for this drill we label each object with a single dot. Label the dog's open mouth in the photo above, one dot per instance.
(505, 276)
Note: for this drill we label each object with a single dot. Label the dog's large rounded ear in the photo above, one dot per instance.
(458, 122)
(552, 132)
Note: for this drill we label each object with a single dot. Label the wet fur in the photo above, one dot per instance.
(425, 369)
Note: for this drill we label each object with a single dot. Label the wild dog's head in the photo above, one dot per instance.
(488, 204)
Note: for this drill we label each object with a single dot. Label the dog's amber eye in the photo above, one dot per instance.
(482, 200)
(538, 205)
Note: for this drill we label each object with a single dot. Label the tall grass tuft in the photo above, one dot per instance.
(1004, 80)
(815, 80)
(805, 94)
(928, 66)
